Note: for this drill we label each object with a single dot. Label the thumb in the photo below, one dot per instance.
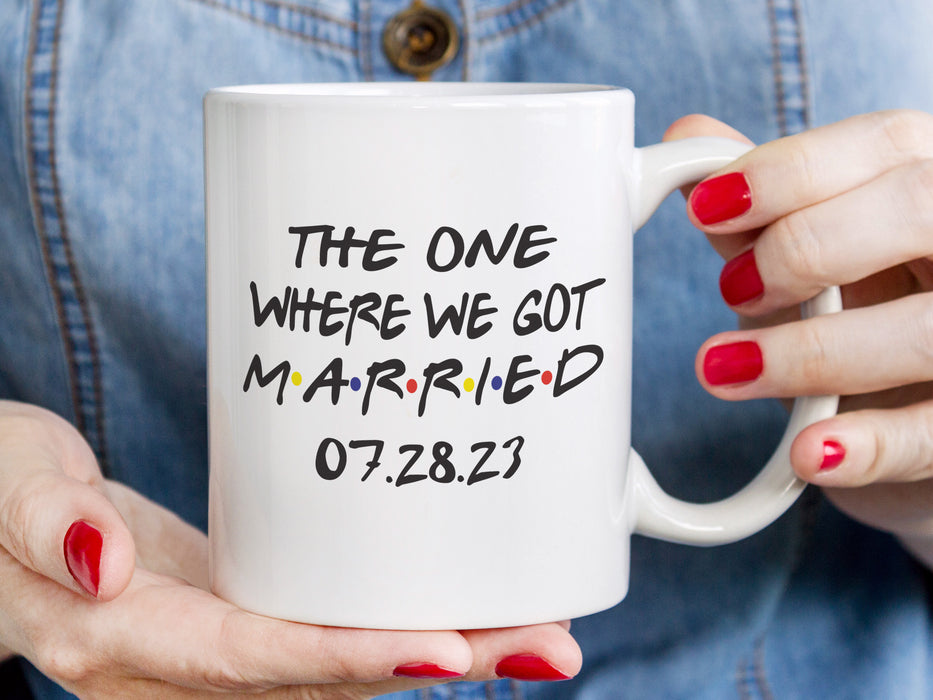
(54, 518)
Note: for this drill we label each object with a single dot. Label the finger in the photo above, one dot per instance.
(51, 520)
(694, 125)
(876, 466)
(867, 447)
(851, 352)
(189, 637)
(533, 653)
(797, 171)
(149, 689)
(865, 230)
(163, 629)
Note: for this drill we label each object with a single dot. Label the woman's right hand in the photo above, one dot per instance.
(117, 606)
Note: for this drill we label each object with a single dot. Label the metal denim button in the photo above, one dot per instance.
(420, 39)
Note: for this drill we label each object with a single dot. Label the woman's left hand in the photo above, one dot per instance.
(849, 204)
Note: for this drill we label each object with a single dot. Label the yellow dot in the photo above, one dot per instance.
(296, 378)
(468, 384)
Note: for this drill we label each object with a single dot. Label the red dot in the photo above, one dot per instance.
(412, 386)
(546, 377)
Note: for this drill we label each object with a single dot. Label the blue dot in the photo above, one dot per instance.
(496, 382)
(355, 384)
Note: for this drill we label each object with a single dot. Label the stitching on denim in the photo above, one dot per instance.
(465, 33)
(791, 76)
(743, 684)
(777, 74)
(364, 39)
(219, 5)
(803, 64)
(750, 678)
(504, 10)
(37, 212)
(534, 19)
(298, 9)
(758, 667)
(71, 304)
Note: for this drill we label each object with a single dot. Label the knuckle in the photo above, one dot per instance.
(339, 668)
(23, 513)
(906, 132)
(800, 250)
(228, 668)
(915, 209)
(921, 339)
(63, 662)
(818, 365)
(808, 168)
(924, 463)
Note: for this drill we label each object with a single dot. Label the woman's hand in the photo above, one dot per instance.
(848, 204)
(117, 607)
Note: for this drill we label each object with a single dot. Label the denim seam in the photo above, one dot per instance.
(364, 38)
(791, 86)
(466, 31)
(71, 304)
(29, 138)
(743, 684)
(791, 78)
(220, 5)
(514, 6)
(759, 670)
(297, 9)
(750, 680)
(519, 23)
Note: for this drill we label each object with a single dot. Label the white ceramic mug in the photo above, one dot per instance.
(420, 353)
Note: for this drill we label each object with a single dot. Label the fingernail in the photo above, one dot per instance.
(733, 363)
(833, 454)
(721, 198)
(528, 667)
(424, 671)
(83, 544)
(739, 281)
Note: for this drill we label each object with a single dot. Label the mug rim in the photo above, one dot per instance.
(462, 93)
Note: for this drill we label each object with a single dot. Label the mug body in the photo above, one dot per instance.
(419, 311)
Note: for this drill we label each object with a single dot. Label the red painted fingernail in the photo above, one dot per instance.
(721, 198)
(528, 667)
(425, 671)
(739, 281)
(833, 454)
(83, 544)
(733, 363)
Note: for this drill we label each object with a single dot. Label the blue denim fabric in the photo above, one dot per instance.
(102, 287)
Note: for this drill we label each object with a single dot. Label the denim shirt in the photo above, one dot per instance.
(102, 314)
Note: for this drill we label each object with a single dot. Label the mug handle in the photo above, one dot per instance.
(659, 170)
